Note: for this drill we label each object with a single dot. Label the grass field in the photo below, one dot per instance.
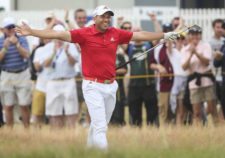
(127, 142)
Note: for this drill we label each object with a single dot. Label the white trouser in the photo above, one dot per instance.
(100, 99)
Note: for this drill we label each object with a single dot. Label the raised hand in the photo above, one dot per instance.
(120, 20)
(6, 43)
(218, 55)
(192, 48)
(161, 69)
(13, 39)
(152, 16)
(24, 29)
(66, 17)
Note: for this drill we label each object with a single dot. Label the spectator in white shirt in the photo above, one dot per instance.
(61, 94)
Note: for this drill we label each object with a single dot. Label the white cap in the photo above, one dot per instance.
(102, 9)
(59, 27)
(8, 21)
(49, 15)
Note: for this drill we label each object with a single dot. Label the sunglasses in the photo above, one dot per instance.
(126, 28)
(10, 27)
(181, 38)
(195, 31)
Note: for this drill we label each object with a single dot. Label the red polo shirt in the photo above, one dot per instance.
(98, 50)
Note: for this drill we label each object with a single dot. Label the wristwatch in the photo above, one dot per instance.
(67, 21)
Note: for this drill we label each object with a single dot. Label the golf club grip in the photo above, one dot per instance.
(124, 64)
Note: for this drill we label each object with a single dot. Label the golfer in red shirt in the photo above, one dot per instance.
(98, 44)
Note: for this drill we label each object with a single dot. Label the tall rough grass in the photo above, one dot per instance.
(126, 142)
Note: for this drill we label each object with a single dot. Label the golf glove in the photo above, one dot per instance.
(171, 36)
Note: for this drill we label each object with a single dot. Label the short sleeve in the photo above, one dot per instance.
(207, 51)
(36, 55)
(24, 43)
(124, 36)
(73, 51)
(39, 55)
(77, 36)
(152, 58)
(185, 54)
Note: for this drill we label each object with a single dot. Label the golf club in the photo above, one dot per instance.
(149, 50)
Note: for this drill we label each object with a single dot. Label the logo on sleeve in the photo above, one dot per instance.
(112, 39)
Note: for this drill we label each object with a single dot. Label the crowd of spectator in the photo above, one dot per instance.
(179, 82)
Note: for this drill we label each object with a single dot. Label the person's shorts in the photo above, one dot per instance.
(179, 85)
(38, 103)
(61, 97)
(202, 94)
(180, 96)
(16, 88)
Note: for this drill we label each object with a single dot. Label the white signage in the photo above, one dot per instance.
(164, 14)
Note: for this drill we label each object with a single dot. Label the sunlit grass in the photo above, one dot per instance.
(124, 142)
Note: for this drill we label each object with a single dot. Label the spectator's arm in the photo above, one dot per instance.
(119, 21)
(157, 26)
(37, 66)
(186, 64)
(4, 49)
(217, 63)
(70, 26)
(218, 59)
(158, 67)
(2, 53)
(203, 59)
(70, 58)
(21, 45)
(181, 24)
(22, 50)
(124, 47)
(48, 61)
(121, 71)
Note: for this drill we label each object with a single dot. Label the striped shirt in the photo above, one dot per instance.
(13, 60)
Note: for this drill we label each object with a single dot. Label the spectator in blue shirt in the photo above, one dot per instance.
(15, 77)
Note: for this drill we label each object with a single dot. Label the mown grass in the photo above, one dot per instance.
(126, 142)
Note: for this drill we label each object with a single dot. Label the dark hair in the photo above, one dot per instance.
(217, 21)
(223, 26)
(78, 10)
(167, 27)
(176, 18)
(125, 22)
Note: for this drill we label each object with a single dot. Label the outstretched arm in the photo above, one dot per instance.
(25, 30)
(150, 36)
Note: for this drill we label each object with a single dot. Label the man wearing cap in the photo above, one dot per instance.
(80, 17)
(98, 45)
(15, 77)
(61, 97)
(196, 60)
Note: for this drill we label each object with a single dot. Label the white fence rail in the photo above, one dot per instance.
(201, 17)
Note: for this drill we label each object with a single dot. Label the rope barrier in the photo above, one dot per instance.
(118, 77)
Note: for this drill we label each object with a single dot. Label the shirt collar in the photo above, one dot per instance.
(95, 31)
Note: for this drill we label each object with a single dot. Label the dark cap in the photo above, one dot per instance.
(195, 30)
(167, 27)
